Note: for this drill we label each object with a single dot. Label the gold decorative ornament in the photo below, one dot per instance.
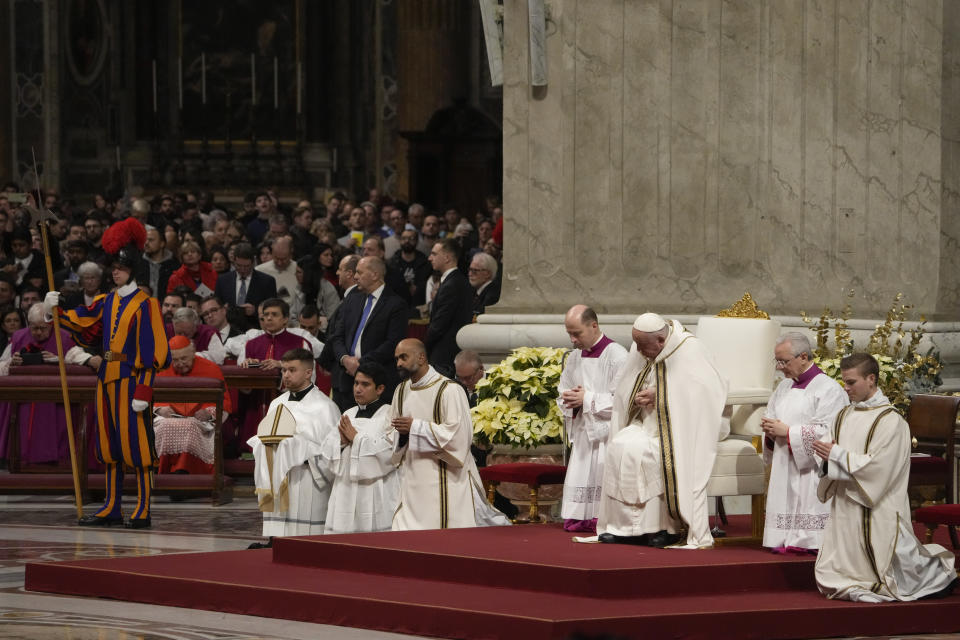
(745, 307)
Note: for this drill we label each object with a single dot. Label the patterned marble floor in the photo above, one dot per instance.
(41, 528)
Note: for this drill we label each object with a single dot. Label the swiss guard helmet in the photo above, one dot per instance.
(124, 241)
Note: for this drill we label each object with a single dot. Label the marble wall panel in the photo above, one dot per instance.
(684, 151)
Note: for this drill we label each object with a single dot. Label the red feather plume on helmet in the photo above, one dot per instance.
(119, 235)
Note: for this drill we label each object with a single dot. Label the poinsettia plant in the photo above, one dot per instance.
(516, 401)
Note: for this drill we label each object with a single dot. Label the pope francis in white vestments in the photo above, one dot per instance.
(870, 552)
(660, 455)
(292, 496)
(805, 403)
(594, 369)
(439, 484)
(366, 486)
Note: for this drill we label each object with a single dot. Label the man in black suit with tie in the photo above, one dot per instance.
(368, 326)
(452, 307)
(244, 288)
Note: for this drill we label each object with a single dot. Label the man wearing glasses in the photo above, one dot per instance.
(482, 272)
(214, 313)
(801, 411)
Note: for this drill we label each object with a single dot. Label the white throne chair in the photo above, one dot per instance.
(742, 348)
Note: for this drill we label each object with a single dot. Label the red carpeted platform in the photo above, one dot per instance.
(510, 582)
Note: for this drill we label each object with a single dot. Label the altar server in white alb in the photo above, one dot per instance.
(800, 412)
(439, 484)
(667, 420)
(357, 459)
(869, 551)
(586, 387)
(292, 495)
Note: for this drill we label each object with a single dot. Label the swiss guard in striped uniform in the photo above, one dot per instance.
(134, 349)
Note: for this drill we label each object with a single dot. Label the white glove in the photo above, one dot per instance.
(139, 405)
(51, 300)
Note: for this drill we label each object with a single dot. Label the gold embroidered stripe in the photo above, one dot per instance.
(666, 444)
(436, 402)
(443, 493)
(873, 427)
(403, 387)
(839, 422)
(634, 410)
(868, 543)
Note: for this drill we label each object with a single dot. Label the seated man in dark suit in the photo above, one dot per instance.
(452, 307)
(368, 326)
(243, 288)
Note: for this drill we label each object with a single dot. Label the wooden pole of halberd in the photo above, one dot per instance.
(63, 375)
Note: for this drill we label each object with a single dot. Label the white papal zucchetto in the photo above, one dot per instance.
(649, 323)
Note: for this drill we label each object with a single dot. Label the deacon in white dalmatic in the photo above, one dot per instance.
(800, 412)
(586, 388)
(293, 496)
(667, 419)
(869, 551)
(357, 459)
(439, 484)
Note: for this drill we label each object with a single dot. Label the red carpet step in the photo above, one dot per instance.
(511, 582)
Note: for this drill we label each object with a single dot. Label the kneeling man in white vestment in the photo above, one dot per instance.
(357, 459)
(667, 419)
(869, 551)
(292, 495)
(439, 484)
(586, 387)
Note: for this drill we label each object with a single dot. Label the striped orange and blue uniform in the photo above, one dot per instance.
(132, 332)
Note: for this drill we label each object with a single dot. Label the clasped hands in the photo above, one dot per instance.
(646, 399)
(203, 415)
(347, 431)
(572, 398)
(773, 428)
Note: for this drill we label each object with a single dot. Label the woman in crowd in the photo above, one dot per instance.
(219, 260)
(194, 273)
(11, 320)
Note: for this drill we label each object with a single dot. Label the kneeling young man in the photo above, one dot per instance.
(356, 459)
(869, 551)
(292, 497)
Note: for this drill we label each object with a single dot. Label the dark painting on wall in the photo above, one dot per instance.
(244, 52)
(87, 39)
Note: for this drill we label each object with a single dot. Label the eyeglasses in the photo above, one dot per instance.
(472, 270)
(783, 363)
(210, 312)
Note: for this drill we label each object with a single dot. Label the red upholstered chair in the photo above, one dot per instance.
(932, 421)
(937, 514)
(528, 473)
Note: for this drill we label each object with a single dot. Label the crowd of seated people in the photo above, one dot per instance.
(212, 266)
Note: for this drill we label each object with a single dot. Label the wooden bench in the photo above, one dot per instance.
(41, 383)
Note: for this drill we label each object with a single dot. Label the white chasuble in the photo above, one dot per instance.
(439, 484)
(869, 551)
(658, 461)
(588, 427)
(366, 486)
(303, 509)
(794, 517)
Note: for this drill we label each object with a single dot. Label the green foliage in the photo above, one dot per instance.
(903, 371)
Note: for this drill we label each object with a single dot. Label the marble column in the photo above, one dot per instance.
(431, 68)
(686, 151)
